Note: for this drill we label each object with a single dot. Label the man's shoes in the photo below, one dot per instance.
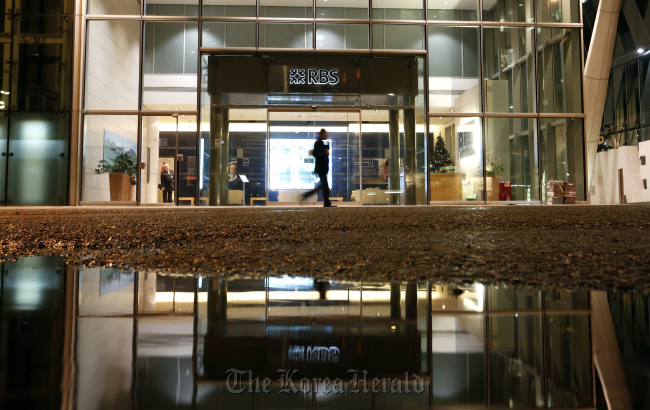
(329, 206)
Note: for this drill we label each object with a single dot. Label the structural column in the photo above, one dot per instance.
(597, 66)
(409, 157)
(394, 166)
(219, 138)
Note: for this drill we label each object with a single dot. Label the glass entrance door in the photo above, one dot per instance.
(169, 141)
(291, 135)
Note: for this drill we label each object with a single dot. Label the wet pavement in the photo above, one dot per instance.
(537, 247)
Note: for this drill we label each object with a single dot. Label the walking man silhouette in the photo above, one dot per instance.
(321, 155)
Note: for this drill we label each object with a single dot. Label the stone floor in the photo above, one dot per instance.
(545, 247)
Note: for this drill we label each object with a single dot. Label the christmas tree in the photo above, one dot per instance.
(441, 160)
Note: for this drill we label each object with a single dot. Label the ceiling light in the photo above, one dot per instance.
(640, 51)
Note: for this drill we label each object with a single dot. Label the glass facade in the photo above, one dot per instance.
(35, 101)
(442, 135)
(438, 346)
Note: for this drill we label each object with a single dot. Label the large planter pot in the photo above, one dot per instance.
(120, 186)
(446, 186)
(492, 188)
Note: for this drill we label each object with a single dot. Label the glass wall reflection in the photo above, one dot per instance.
(150, 341)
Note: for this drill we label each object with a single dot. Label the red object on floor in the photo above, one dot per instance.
(505, 191)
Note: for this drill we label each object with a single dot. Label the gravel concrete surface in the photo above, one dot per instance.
(544, 247)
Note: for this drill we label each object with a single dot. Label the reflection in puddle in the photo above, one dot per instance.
(96, 338)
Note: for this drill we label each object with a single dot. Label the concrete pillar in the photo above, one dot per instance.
(607, 356)
(411, 301)
(597, 66)
(393, 145)
(217, 303)
(409, 157)
(395, 301)
(219, 138)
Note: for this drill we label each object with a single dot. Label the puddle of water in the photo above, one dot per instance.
(92, 338)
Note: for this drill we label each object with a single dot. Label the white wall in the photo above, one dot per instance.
(605, 181)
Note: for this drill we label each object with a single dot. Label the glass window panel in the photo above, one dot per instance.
(402, 10)
(4, 155)
(37, 166)
(504, 298)
(32, 288)
(397, 37)
(509, 67)
(515, 354)
(455, 158)
(210, 10)
(560, 65)
(191, 48)
(101, 133)
(569, 363)
(5, 80)
(243, 9)
(106, 292)
(562, 153)
(112, 65)
(632, 75)
(286, 9)
(453, 69)
(459, 11)
(353, 9)
(459, 362)
(620, 98)
(465, 298)
(228, 34)
(342, 36)
(553, 11)
(112, 7)
(104, 349)
(509, 10)
(644, 86)
(567, 300)
(44, 6)
(169, 82)
(156, 362)
(286, 35)
(43, 70)
(511, 144)
(188, 8)
(165, 294)
(162, 142)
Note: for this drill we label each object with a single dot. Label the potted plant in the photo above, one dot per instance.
(121, 168)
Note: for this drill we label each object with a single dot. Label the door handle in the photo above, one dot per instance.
(11, 154)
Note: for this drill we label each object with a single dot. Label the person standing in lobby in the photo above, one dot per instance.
(321, 154)
(167, 182)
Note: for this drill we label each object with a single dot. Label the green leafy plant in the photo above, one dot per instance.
(123, 162)
(494, 167)
(447, 168)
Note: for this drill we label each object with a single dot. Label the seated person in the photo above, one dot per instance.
(234, 182)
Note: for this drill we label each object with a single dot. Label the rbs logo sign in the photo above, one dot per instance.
(312, 76)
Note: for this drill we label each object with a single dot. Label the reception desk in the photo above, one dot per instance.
(446, 186)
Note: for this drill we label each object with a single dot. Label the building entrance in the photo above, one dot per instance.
(261, 115)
